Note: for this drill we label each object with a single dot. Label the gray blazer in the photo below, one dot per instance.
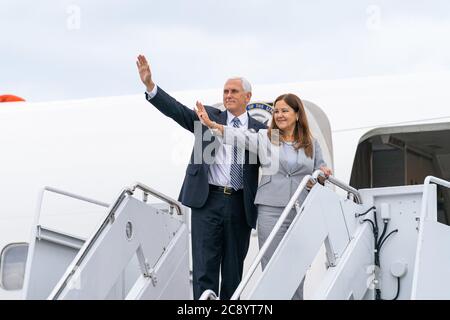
(278, 183)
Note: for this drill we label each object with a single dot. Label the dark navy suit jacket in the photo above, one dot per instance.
(195, 189)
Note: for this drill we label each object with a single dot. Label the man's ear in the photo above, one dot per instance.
(249, 96)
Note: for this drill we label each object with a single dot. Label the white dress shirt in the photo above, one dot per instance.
(152, 93)
(219, 171)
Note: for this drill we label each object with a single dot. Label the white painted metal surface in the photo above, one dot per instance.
(154, 243)
(431, 269)
(138, 252)
(349, 239)
(432, 277)
(405, 203)
(321, 220)
(151, 239)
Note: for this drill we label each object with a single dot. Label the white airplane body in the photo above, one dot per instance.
(95, 147)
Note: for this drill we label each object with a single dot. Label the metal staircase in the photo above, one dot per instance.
(138, 252)
(382, 243)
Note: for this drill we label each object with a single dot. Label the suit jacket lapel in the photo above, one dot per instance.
(252, 123)
(222, 119)
(300, 159)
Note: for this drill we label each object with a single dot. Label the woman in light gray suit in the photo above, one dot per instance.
(287, 153)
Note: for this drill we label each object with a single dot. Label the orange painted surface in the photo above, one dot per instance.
(10, 98)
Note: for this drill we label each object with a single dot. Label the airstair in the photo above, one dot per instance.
(140, 251)
(381, 244)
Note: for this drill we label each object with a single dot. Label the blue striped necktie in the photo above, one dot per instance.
(236, 168)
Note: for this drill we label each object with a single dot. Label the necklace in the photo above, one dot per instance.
(290, 139)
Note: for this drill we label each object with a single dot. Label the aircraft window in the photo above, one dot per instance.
(12, 266)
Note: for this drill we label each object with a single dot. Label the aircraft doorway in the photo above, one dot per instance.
(396, 156)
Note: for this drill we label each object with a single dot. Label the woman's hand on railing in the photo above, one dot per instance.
(326, 171)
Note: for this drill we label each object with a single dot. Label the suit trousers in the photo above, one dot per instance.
(220, 240)
(267, 218)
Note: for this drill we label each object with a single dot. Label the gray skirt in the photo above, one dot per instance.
(267, 218)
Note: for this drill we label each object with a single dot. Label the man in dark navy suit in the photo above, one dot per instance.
(220, 185)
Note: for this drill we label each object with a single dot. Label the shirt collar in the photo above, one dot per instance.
(243, 118)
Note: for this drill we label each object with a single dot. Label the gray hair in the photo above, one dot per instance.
(245, 83)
